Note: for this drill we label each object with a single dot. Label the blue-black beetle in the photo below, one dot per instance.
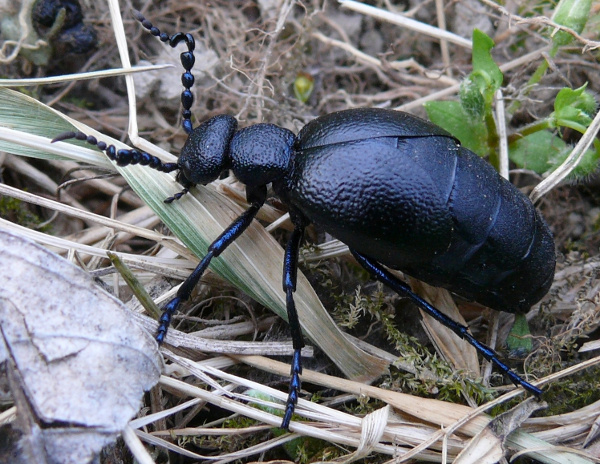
(399, 191)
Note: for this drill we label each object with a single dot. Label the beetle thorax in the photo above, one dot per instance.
(261, 154)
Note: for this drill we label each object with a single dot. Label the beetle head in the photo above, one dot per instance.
(206, 151)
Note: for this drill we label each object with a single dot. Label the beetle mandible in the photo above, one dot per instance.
(401, 192)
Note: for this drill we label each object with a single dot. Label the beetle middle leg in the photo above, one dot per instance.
(379, 272)
(290, 274)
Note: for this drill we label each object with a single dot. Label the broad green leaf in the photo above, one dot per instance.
(574, 106)
(573, 14)
(450, 115)
(537, 151)
(543, 151)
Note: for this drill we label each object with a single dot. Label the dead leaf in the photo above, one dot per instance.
(509, 421)
(76, 362)
(484, 448)
(455, 350)
(487, 447)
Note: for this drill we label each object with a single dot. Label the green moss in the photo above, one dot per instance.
(18, 212)
(573, 392)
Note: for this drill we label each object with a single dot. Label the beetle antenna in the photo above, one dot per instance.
(187, 61)
(122, 156)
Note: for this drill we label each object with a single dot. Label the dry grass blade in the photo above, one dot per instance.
(405, 22)
(418, 425)
(458, 352)
(79, 76)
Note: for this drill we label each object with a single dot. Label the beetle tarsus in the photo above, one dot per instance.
(294, 390)
(165, 319)
(177, 196)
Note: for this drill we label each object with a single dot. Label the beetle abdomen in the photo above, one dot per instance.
(364, 124)
(426, 206)
(501, 253)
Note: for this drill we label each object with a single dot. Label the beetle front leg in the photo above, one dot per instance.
(379, 272)
(290, 274)
(234, 230)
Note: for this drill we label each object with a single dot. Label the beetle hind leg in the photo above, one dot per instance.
(379, 272)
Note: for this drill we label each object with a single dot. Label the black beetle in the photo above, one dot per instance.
(399, 191)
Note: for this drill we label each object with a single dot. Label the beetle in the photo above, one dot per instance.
(401, 192)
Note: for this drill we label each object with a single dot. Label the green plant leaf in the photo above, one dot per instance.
(451, 115)
(472, 100)
(573, 14)
(518, 341)
(537, 151)
(303, 86)
(486, 73)
(574, 107)
(542, 151)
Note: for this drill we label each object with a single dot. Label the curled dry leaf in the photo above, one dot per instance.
(76, 362)
(487, 447)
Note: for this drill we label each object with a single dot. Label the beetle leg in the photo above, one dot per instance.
(290, 273)
(256, 198)
(380, 273)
